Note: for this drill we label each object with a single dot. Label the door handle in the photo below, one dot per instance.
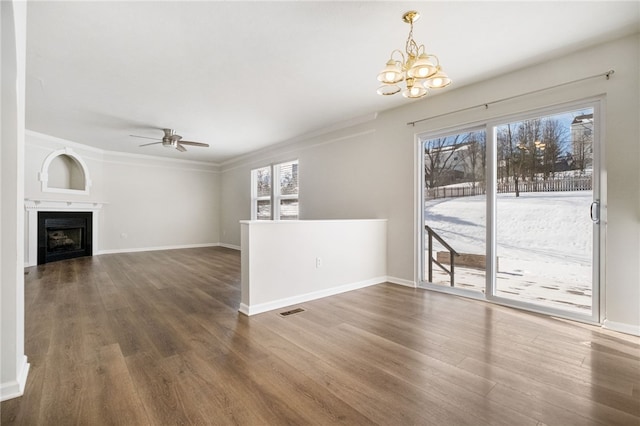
(595, 212)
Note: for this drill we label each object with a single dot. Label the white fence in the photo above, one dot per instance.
(548, 185)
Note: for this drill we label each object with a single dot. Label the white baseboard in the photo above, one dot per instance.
(229, 246)
(15, 388)
(621, 327)
(293, 300)
(139, 249)
(244, 309)
(401, 281)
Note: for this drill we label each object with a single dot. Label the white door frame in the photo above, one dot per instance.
(599, 196)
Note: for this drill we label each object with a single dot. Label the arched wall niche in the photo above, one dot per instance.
(64, 171)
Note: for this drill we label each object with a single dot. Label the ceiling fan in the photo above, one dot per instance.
(172, 140)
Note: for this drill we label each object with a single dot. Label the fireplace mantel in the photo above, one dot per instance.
(54, 205)
(33, 206)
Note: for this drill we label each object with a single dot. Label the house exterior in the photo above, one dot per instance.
(582, 142)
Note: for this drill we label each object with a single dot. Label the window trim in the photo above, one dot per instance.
(275, 197)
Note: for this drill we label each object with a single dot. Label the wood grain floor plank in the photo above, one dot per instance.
(132, 340)
(63, 382)
(448, 386)
(26, 409)
(538, 409)
(536, 366)
(112, 298)
(156, 327)
(419, 337)
(231, 374)
(616, 410)
(109, 396)
(201, 392)
(156, 387)
(354, 373)
(314, 403)
(156, 338)
(233, 334)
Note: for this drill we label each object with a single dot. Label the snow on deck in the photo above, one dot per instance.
(544, 245)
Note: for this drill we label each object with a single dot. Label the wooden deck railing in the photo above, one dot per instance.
(431, 234)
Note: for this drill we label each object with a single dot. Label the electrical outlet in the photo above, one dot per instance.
(318, 262)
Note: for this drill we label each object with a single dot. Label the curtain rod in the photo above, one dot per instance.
(607, 74)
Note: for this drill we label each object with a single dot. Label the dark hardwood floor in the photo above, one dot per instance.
(155, 338)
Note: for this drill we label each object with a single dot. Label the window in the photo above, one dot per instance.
(274, 192)
(261, 188)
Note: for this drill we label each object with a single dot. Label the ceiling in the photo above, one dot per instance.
(245, 75)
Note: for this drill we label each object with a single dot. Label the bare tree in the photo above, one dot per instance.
(504, 155)
(475, 157)
(512, 155)
(582, 139)
(529, 132)
(440, 156)
(583, 151)
(554, 141)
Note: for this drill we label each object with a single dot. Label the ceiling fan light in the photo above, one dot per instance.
(422, 67)
(438, 80)
(392, 73)
(388, 89)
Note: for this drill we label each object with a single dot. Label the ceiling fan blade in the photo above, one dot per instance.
(194, 143)
(144, 137)
(171, 139)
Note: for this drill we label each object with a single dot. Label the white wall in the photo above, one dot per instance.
(151, 202)
(289, 262)
(13, 362)
(159, 204)
(65, 173)
(368, 170)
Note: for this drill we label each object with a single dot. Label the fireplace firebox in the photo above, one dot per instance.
(64, 235)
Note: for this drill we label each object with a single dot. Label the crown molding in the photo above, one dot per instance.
(116, 154)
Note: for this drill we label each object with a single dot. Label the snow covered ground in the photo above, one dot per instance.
(544, 245)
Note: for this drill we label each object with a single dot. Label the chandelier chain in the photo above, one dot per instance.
(411, 46)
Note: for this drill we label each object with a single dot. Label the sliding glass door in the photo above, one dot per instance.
(511, 211)
(544, 230)
(454, 209)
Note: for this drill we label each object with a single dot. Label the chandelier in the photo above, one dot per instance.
(419, 69)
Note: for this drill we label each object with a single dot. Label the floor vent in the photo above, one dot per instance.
(291, 312)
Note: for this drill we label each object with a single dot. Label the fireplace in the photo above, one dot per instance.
(64, 235)
(34, 207)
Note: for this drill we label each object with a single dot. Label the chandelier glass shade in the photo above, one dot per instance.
(417, 68)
